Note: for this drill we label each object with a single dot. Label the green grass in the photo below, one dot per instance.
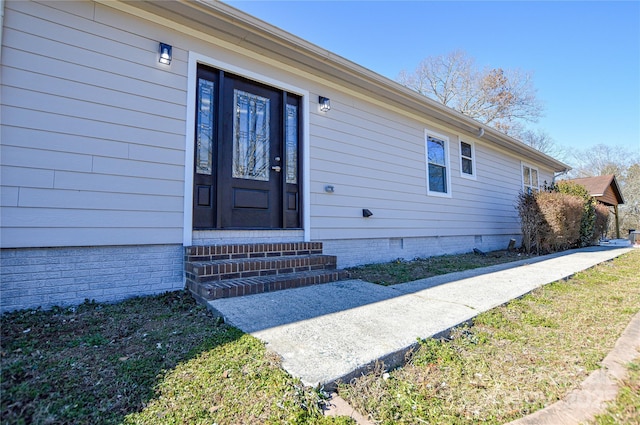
(401, 271)
(155, 360)
(166, 360)
(512, 360)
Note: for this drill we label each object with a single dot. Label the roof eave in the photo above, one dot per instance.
(242, 29)
(617, 190)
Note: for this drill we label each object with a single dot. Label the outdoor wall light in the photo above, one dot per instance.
(366, 213)
(325, 103)
(165, 54)
(481, 132)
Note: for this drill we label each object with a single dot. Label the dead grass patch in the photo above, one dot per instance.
(401, 271)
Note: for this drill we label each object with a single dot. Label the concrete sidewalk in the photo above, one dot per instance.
(335, 331)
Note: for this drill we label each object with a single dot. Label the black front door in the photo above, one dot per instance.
(246, 154)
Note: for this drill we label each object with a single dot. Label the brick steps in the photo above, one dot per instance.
(253, 267)
(223, 271)
(257, 285)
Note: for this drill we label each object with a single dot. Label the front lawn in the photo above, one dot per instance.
(512, 360)
(167, 360)
(153, 360)
(401, 271)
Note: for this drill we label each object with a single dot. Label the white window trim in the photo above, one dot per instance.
(531, 167)
(194, 60)
(471, 176)
(445, 139)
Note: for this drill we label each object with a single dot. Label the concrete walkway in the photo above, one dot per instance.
(336, 331)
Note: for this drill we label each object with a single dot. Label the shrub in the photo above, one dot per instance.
(587, 225)
(530, 220)
(562, 215)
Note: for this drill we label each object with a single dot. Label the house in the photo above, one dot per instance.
(606, 191)
(134, 130)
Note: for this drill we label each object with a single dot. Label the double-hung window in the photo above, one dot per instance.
(438, 176)
(467, 160)
(530, 179)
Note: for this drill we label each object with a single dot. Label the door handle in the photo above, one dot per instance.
(276, 168)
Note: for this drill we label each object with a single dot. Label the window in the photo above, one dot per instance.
(438, 179)
(529, 179)
(467, 163)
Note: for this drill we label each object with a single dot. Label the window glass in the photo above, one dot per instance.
(437, 164)
(437, 178)
(436, 150)
(467, 166)
(534, 177)
(465, 149)
(466, 159)
(529, 179)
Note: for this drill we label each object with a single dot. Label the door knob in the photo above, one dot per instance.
(276, 168)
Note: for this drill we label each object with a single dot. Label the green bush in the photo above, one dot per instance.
(562, 216)
(587, 225)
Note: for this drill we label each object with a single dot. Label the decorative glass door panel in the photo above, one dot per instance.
(291, 144)
(205, 167)
(246, 154)
(251, 136)
(204, 128)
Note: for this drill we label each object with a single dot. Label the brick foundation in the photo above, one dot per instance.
(46, 277)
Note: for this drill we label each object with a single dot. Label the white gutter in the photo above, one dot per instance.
(239, 28)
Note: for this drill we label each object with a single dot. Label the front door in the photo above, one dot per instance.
(246, 154)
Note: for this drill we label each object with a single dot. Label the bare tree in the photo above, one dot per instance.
(601, 160)
(498, 97)
(631, 192)
(604, 159)
(542, 141)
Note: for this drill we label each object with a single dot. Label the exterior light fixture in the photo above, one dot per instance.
(165, 54)
(366, 213)
(481, 132)
(325, 103)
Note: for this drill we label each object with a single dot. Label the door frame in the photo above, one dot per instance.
(194, 60)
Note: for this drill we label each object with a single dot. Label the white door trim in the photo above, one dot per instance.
(194, 60)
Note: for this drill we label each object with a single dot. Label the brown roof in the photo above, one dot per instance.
(604, 188)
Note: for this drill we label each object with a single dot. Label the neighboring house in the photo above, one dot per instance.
(113, 162)
(606, 191)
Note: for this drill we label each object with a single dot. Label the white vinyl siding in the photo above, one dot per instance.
(376, 161)
(92, 131)
(94, 136)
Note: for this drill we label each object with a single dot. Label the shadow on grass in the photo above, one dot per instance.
(271, 310)
(98, 363)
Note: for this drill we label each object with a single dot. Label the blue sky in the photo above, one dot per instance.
(585, 56)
